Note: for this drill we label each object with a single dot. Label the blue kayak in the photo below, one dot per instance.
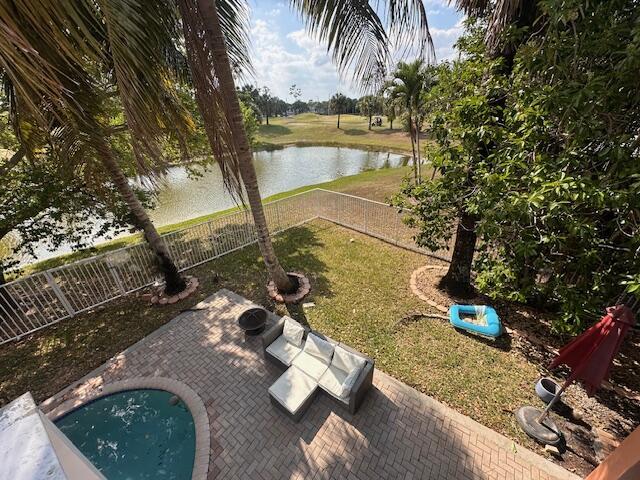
(491, 326)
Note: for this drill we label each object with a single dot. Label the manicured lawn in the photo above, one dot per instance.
(361, 295)
(313, 129)
(375, 184)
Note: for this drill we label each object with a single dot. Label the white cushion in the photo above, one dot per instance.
(350, 381)
(347, 361)
(319, 348)
(283, 350)
(310, 364)
(332, 382)
(292, 389)
(293, 332)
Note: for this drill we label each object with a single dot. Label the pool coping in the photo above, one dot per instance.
(186, 394)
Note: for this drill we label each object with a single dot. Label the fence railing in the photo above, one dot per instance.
(34, 302)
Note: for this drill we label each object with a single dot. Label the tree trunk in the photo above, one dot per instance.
(6, 301)
(338, 120)
(418, 159)
(413, 151)
(216, 41)
(390, 124)
(174, 283)
(267, 119)
(369, 122)
(458, 278)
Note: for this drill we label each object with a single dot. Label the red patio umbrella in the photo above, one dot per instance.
(589, 356)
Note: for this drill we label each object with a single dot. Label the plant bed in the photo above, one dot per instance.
(303, 287)
(159, 297)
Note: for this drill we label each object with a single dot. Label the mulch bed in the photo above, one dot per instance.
(592, 426)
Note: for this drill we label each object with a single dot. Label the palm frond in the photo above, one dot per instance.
(234, 21)
(409, 27)
(212, 104)
(500, 14)
(42, 44)
(139, 41)
(353, 33)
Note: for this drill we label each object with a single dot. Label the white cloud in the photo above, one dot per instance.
(278, 67)
(282, 59)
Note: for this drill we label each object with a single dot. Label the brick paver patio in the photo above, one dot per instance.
(398, 432)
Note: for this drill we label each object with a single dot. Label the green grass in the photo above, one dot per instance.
(313, 129)
(375, 185)
(361, 292)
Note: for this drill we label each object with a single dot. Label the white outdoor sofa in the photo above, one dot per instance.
(314, 363)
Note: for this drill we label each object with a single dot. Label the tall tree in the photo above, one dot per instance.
(517, 17)
(370, 105)
(337, 104)
(408, 84)
(54, 75)
(216, 40)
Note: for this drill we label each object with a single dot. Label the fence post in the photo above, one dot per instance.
(56, 289)
(277, 217)
(117, 278)
(366, 209)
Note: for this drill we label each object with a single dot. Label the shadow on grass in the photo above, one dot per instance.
(354, 132)
(503, 342)
(54, 357)
(274, 130)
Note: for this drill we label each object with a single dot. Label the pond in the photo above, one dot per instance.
(181, 197)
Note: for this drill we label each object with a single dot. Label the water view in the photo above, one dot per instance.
(181, 197)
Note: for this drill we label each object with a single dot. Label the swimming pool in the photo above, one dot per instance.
(134, 434)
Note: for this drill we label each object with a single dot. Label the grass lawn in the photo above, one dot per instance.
(374, 184)
(361, 292)
(314, 129)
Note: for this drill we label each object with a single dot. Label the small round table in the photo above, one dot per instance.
(253, 321)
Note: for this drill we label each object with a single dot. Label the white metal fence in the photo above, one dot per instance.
(34, 302)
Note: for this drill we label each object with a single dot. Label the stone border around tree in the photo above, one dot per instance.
(159, 297)
(413, 283)
(304, 287)
(187, 395)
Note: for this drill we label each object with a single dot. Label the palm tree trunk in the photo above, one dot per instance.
(413, 150)
(369, 122)
(458, 277)
(338, 120)
(216, 41)
(174, 283)
(418, 159)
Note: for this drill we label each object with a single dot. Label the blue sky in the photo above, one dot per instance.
(283, 53)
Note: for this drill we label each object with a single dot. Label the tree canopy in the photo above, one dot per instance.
(557, 199)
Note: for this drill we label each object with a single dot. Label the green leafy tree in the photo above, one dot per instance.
(215, 38)
(536, 150)
(407, 87)
(337, 105)
(391, 110)
(370, 105)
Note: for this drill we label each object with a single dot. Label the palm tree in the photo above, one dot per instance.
(55, 76)
(407, 87)
(337, 104)
(391, 110)
(216, 41)
(369, 105)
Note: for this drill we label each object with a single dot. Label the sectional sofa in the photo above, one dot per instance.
(314, 363)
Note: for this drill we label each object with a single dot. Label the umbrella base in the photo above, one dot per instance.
(546, 432)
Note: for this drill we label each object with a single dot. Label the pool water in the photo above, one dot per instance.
(136, 434)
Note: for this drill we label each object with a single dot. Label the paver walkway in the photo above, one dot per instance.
(398, 432)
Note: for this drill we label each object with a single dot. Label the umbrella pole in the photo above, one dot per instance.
(553, 401)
